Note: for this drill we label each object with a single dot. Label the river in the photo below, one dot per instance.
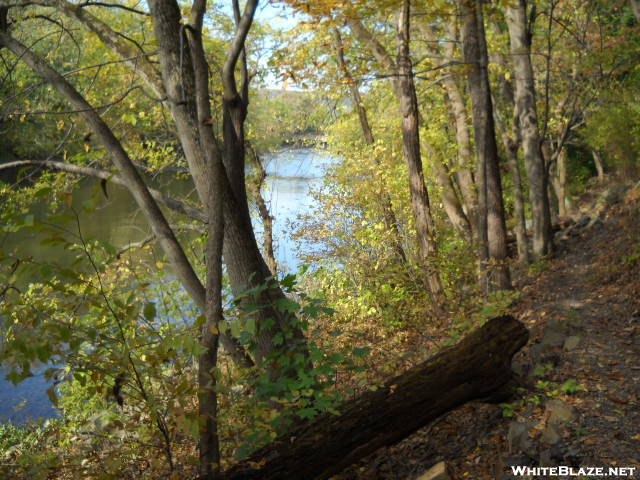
(290, 176)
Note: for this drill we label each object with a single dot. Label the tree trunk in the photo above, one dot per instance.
(263, 211)
(452, 205)
(511, 143)
(388, 215)
(209, 442)
(525, 95)
(458, 109)
(492, 228)
(599, 164)
(635, 7)
(425, 229)
(518, 200)
(245, 265)
(561, 190)
(401, 78)
(476, 367)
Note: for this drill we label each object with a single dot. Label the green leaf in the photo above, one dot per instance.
(149, 311)
(307, 413)
(288, 281)
(361, 351)
(250, 325)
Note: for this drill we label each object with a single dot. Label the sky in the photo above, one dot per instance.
(277, 13)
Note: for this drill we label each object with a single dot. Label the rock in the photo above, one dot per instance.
(503, 467)
(518, 437)
(560, 412)
(437, 472)
(521, 368)
(613, 195)
(594, 222)
(558, 451)
(552, 339)
(573, 455)
(546, 460)
(582, 221)
(543, 354)
(550, 435)
(572, 342)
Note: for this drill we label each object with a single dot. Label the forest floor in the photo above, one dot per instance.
(579, 398)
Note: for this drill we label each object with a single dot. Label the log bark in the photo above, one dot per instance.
(473, 369)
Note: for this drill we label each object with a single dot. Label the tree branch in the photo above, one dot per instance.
(376, 48)
(112, 5)
(169, 202)
(120, 158)
(115, 42)
(242, 29)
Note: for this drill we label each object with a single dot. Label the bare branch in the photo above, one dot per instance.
(113, 5)
(115, 42)
(67, 112)
(135, 245)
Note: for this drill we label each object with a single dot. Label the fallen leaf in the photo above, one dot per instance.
(618, 400)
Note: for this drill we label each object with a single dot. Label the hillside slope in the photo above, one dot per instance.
(579, 396)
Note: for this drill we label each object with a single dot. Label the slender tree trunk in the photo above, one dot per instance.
(597, 160)
(388, 215)
(245, 265)
(526, 100)
(511, 143)
(263, 211)
(458, 108)
(209, 444)
(518, 199)
(452, 205)
(427, 246)
(401, 78)
(562, 183)
(494, 251)
(635, 7)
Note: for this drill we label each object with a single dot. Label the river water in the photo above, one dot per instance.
(290, 176)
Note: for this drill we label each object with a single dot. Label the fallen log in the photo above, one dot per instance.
(474, 368)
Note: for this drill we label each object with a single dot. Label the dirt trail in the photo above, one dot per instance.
(582, 365)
